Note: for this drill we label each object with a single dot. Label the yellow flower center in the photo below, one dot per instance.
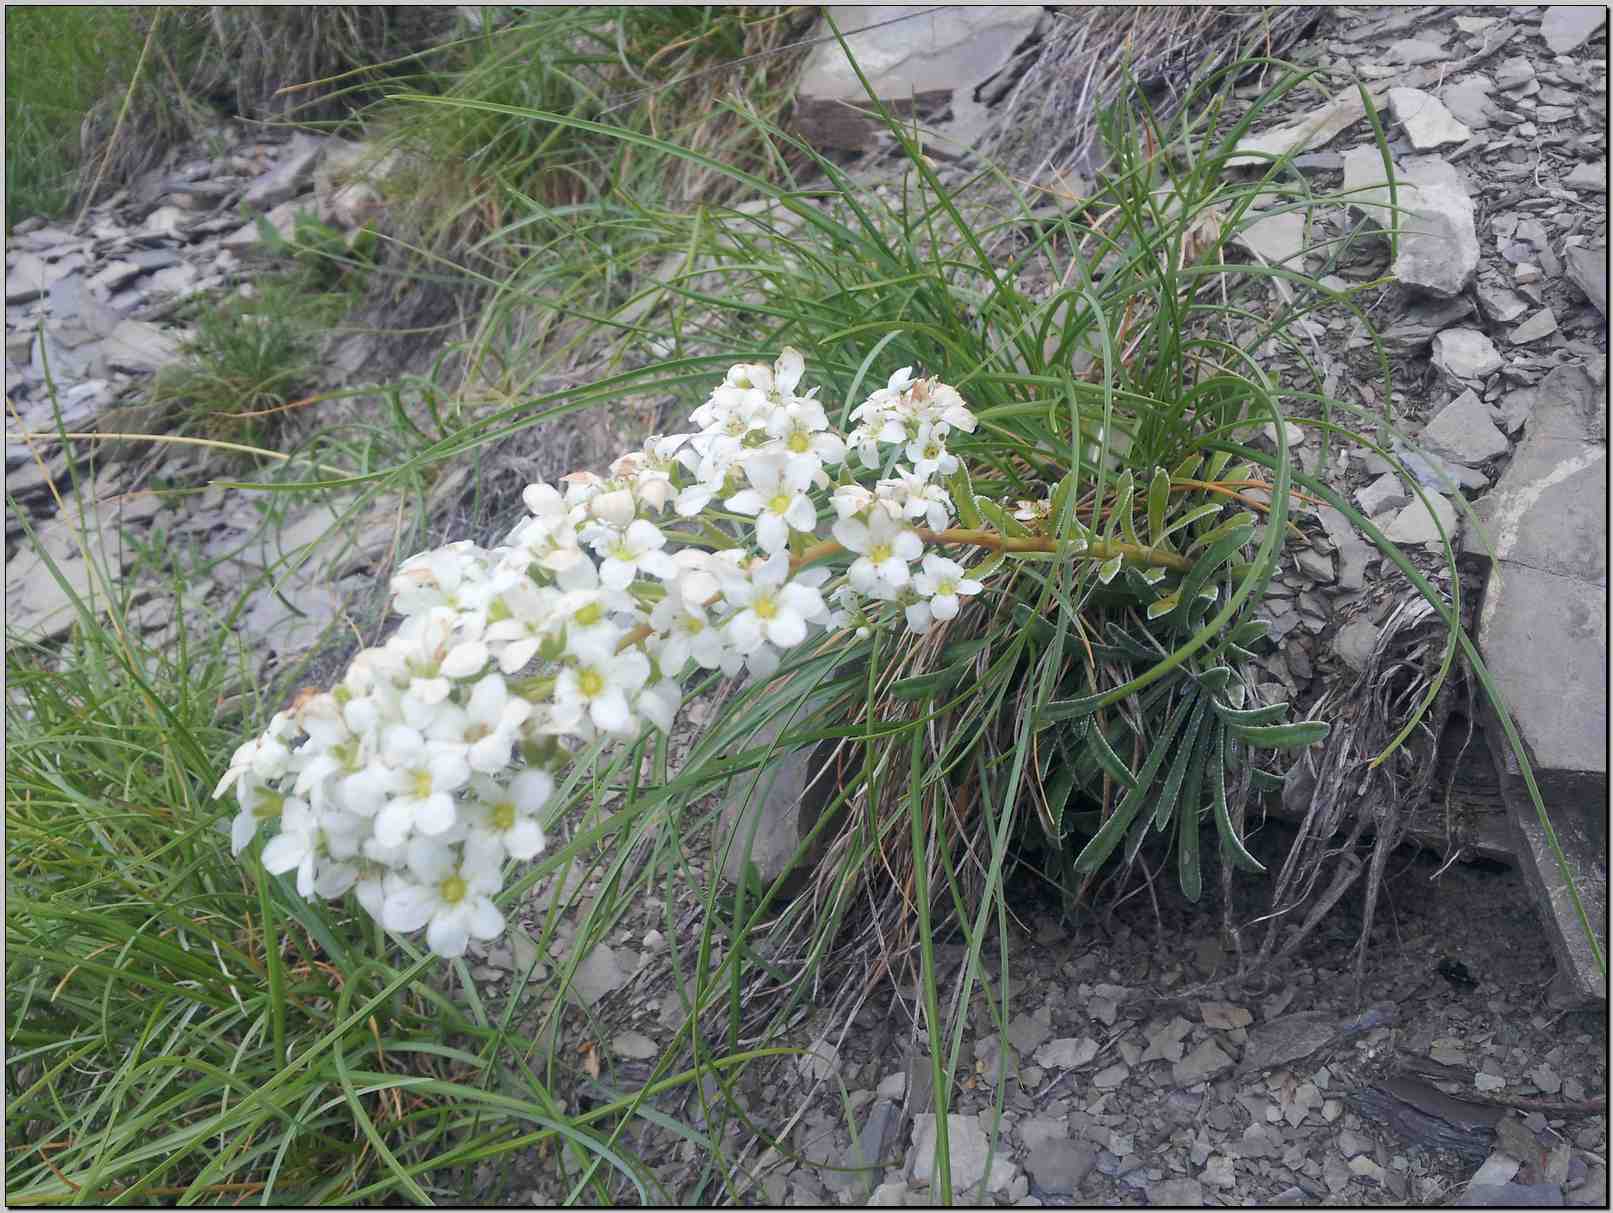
(880, 553)
(422, 784)
(452, 890)
(765, 607)
(589, 615)
(947, 586)
(504, 815)
(800, 443)
(779, 504)
(693, 625)
(590, 682)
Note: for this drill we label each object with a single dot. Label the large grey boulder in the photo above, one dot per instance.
(916, 57)
(1542, 631)
(768, 813)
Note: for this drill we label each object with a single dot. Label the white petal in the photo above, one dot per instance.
(436, 815)
(747, 501)
(524, 839)
(944, 606)
(465, 660)
(616, 574)
(447, 936)
(801, 515)
(408, 908)
(531, 790)
(610, 712)
(284, 852)
(485, 922)
(786, 629)
(771, 532)
(392, 823)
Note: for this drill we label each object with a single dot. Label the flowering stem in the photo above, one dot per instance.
(1095, 550)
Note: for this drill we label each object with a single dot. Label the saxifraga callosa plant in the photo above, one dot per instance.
(330, 1067)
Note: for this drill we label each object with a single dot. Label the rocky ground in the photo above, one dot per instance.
(1119, 1083)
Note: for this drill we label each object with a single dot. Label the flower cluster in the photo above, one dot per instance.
(414, 780)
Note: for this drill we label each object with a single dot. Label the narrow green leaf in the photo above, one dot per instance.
(963, 496)
(1162, 606)
(1248, 632)
(1250, 717)
(1295, 736)
(1111, 762)
(1232, 847)
(1185, 750)
(1159, 498)
(1198, 512)
(1109, 568)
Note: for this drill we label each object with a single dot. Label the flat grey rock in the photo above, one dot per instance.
(1462, 431)
(1590, 178)
(1203, 1062)
(1512, 1196)
(1354, 643)
(291, 176)
(1567, 27)
(600, 972)
(1542, 324)
(1415, 524)
(1587, 269)
(967, 1147)
(1469, 102)
(1060, 1167)
(1516, 72)
(1176, 1193)
(1501, 304)
(1439, 244)
(1387, 492)
(1465, 354)
(938, 57)
(1412, 51)
(137, 346)
(1425, 119)
(1276, 239)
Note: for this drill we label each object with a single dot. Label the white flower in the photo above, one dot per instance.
(486, 726)
(769, 608)
(849, 500)
(777, 498)
(685, 629)
(943, 583)
(638, 547)
(451, 898)
(266, 756)
(929, 453)
(424, 780)
(884, 546)
(597, 687)
(451, 576)
(509, 814)
(529, 616)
